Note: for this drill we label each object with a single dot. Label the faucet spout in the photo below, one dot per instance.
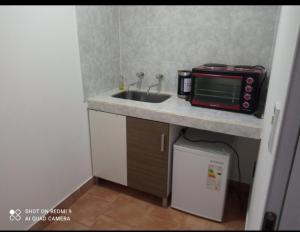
(150, 86)
(135, 83)
(159, 77)
(138, 83)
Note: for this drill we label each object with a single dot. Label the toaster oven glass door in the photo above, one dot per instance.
(217, 89)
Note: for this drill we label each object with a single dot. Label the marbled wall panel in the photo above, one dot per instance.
(164, 39)
(98, 33)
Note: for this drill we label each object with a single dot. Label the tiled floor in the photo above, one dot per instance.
(111, 206)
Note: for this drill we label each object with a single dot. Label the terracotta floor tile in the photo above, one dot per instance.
(198, 223)
(108, 206)
(106, 194)
(168, 214)
(87, 208)
(149, 222)
(131, 192)
(128, 210)
(68, 225)
(104, 222)
(134, 200)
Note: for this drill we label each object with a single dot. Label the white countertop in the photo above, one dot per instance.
(180, 112)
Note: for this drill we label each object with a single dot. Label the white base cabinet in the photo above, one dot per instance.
(108, 145)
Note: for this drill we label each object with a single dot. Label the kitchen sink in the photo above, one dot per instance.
(142, 96)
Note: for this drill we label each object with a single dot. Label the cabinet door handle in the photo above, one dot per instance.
(162, 142)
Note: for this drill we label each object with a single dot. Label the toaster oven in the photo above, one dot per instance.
(234, 88)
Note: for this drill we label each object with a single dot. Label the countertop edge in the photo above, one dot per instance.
(177, 119)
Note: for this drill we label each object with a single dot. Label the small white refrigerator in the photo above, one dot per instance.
(200, 176)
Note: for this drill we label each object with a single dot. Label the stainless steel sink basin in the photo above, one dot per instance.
(142, 96)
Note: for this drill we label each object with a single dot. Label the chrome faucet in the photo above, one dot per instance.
(138, 83)
(159, 77)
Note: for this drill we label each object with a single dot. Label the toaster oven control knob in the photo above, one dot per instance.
(246, 105)
(248, 88)
(247, 96)
(249, 80)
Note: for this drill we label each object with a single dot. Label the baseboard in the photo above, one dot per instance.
(66, 203)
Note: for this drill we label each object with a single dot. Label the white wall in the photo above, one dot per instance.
(280, 76)
(44, 143)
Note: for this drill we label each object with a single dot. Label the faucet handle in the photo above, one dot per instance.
(140, 75)
(159, 77)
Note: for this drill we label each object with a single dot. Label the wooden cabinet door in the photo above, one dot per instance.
(108, 144)
(147, 155)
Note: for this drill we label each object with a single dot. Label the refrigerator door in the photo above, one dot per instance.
(199, 183)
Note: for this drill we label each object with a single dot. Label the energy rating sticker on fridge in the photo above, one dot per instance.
(199, 180)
